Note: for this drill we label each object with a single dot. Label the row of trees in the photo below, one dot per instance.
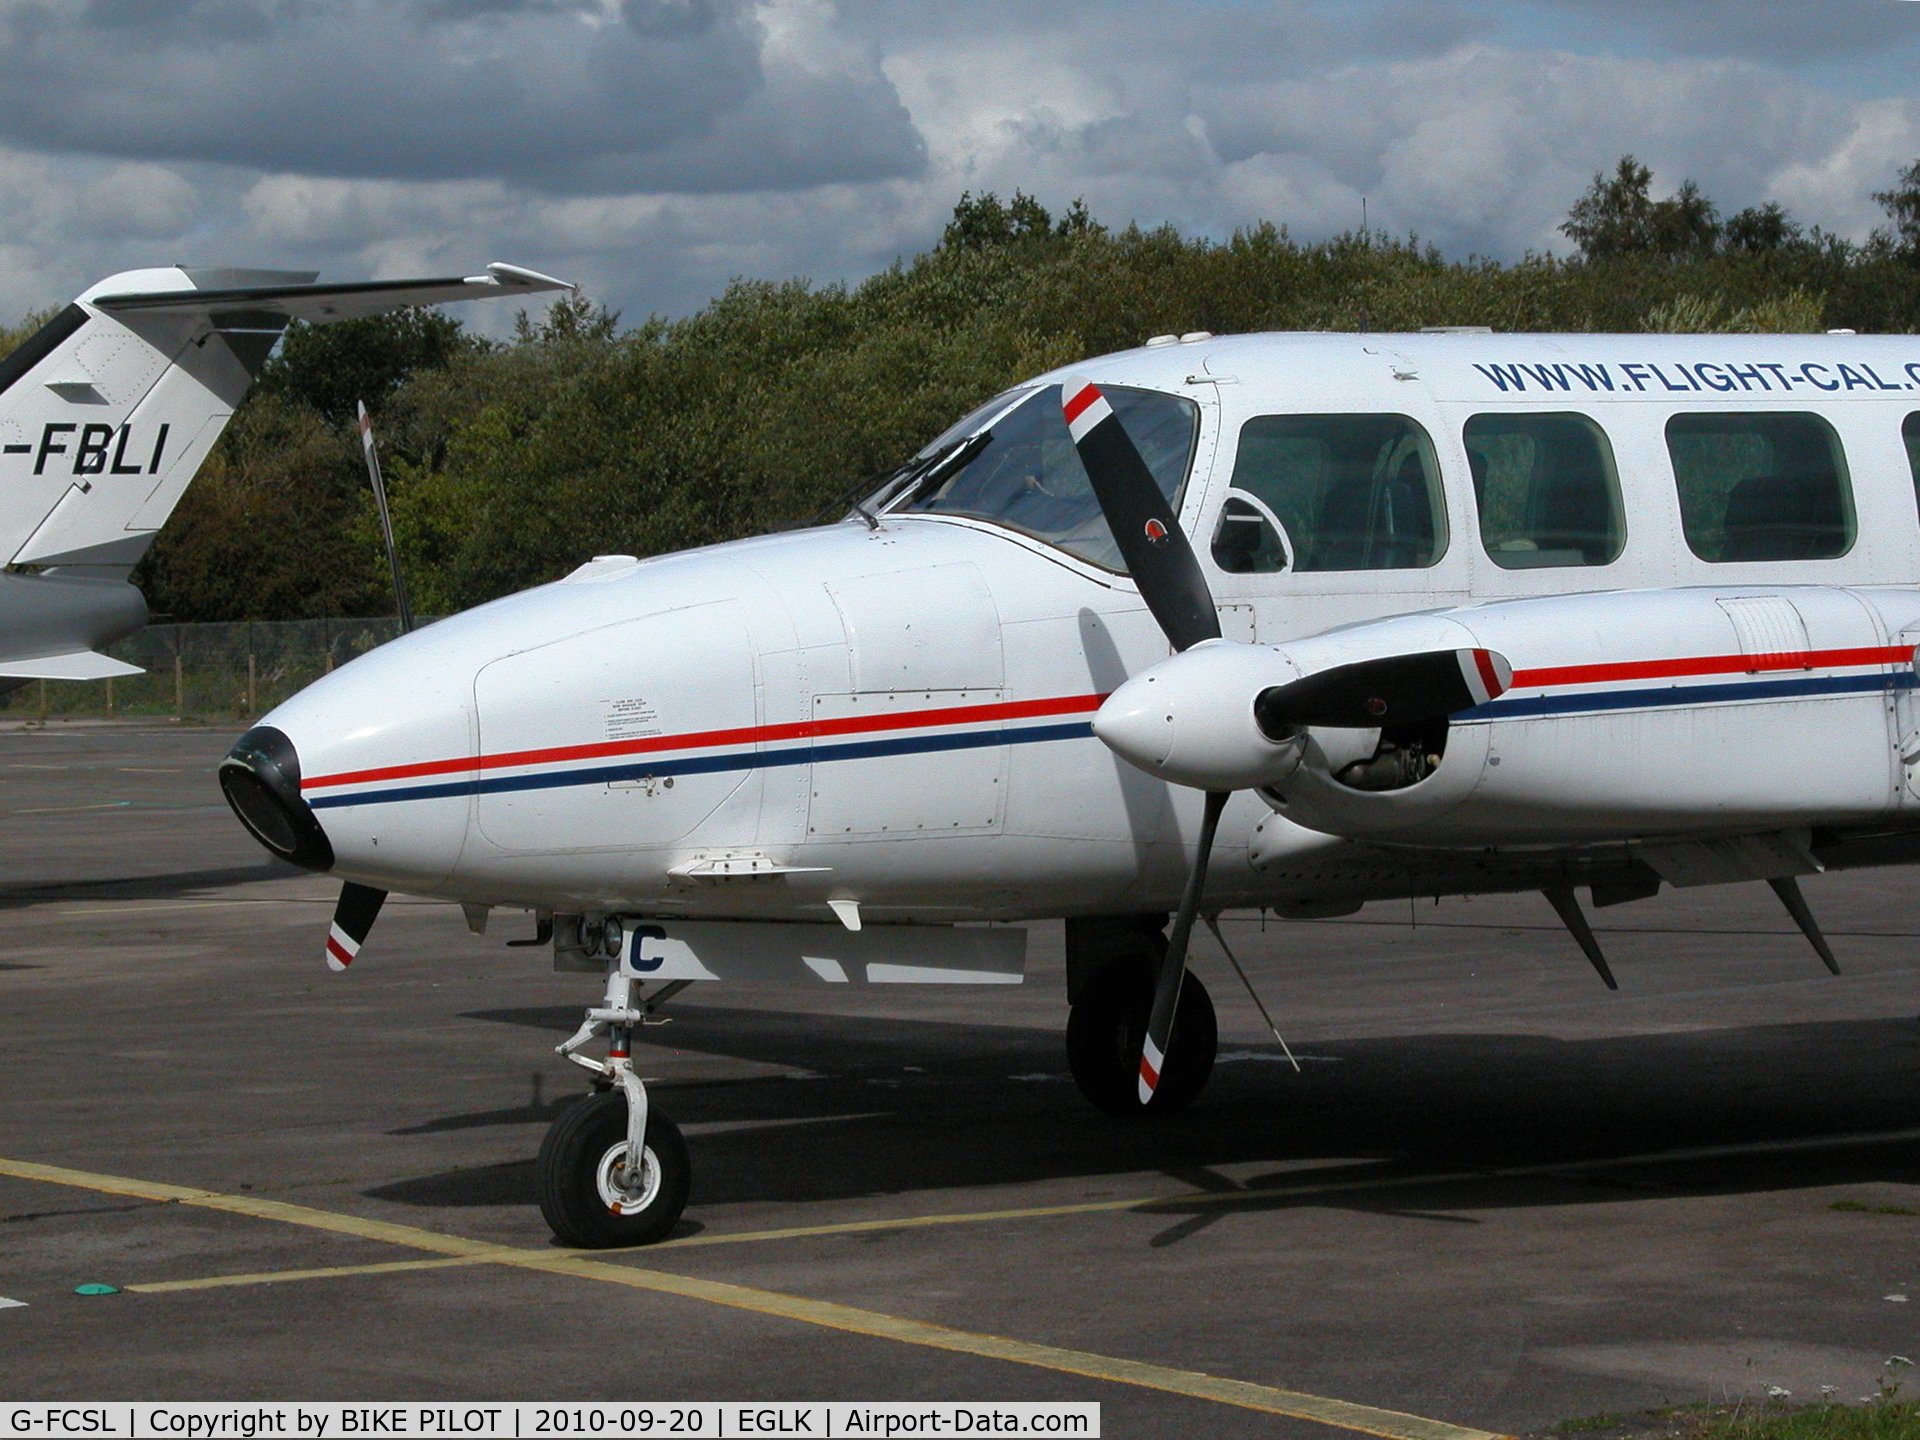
(509, 463)
(1618, 216)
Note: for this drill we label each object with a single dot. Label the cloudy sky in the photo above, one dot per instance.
(652, 149)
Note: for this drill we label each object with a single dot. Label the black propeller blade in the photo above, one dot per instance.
(1166, 994)
(353, 917)
(1395, 690)
(1144, 526)
(1163, 566)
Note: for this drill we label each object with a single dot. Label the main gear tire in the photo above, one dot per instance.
(582, 1181)
(1107, 1029)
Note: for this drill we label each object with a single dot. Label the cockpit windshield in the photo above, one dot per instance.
(1023, 471)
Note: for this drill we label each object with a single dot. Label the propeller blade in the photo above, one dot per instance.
(353, 917)
(372, 453)
(1396, 690)
(1166, 994)
(1144, 526)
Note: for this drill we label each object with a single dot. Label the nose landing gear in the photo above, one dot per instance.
(614, 1170)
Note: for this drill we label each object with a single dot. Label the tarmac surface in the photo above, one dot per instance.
(1495, 1196)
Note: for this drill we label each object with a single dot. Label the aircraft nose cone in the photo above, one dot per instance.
(261, 779)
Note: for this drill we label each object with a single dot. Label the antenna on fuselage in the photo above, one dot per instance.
(386, 520)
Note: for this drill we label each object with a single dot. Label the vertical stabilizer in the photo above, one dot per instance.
(107, 412)
(104, 419)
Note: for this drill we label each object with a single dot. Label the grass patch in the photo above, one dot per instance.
(1882, 1420)
(1855, 1207)
(1587, 1423)
(1885, 1419)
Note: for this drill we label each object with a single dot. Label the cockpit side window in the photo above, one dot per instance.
(1346, 492)
(1025, 473)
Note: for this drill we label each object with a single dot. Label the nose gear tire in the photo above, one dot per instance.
(1107, 1028)
(580, 1177)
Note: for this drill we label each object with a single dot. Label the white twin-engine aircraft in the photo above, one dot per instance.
(1468, 613)
(107, 411)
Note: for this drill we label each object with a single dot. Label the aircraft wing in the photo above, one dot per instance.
(333, 302)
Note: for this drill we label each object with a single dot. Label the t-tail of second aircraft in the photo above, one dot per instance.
(106, 414)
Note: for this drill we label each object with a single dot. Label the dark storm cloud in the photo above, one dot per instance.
(1784, 32)
(664, 95)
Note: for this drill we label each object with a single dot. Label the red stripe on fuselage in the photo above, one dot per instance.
(708, 739)
(1707, 665)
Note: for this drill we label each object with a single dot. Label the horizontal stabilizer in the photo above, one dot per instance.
(78, 665)
(319, 303)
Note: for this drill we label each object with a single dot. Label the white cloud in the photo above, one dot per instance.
(654, 150)
(597, 95)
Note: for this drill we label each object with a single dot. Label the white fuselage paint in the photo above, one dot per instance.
(901, 716)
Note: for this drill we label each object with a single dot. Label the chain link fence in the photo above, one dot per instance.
(217, 672)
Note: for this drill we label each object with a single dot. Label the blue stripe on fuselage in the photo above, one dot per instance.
(1667, 695)
(712, 764)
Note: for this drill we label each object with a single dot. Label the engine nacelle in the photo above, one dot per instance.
(1632, 715)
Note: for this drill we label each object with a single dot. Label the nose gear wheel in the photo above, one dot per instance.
(1108, 1025)
(578, 1182)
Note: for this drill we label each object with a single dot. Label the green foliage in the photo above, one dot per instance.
(1618, 216)
(509, 464)
(1797, 312)
(331, 368)
(273, 526)
(1883, 1419)
(12, 335)
(1760, 228)
(1902, 204)
(983, 222)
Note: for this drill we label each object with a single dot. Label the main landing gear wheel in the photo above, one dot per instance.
(586, 1193)
(1108, 1026)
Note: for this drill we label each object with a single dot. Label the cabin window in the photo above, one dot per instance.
(1546, 490)
(1331, 492)
(1024, 472)
(1761, 486)
(1911, 433)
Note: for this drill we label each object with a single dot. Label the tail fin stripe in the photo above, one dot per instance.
(39, 345)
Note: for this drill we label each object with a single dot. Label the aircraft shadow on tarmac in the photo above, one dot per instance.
(145, 887)
(898, 1106)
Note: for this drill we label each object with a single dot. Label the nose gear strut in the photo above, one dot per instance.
(613, 1170)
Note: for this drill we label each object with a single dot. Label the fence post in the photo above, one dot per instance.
(179, 683)
(109, 694)
(43, 700)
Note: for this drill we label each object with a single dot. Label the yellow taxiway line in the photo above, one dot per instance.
(1341, 1414)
